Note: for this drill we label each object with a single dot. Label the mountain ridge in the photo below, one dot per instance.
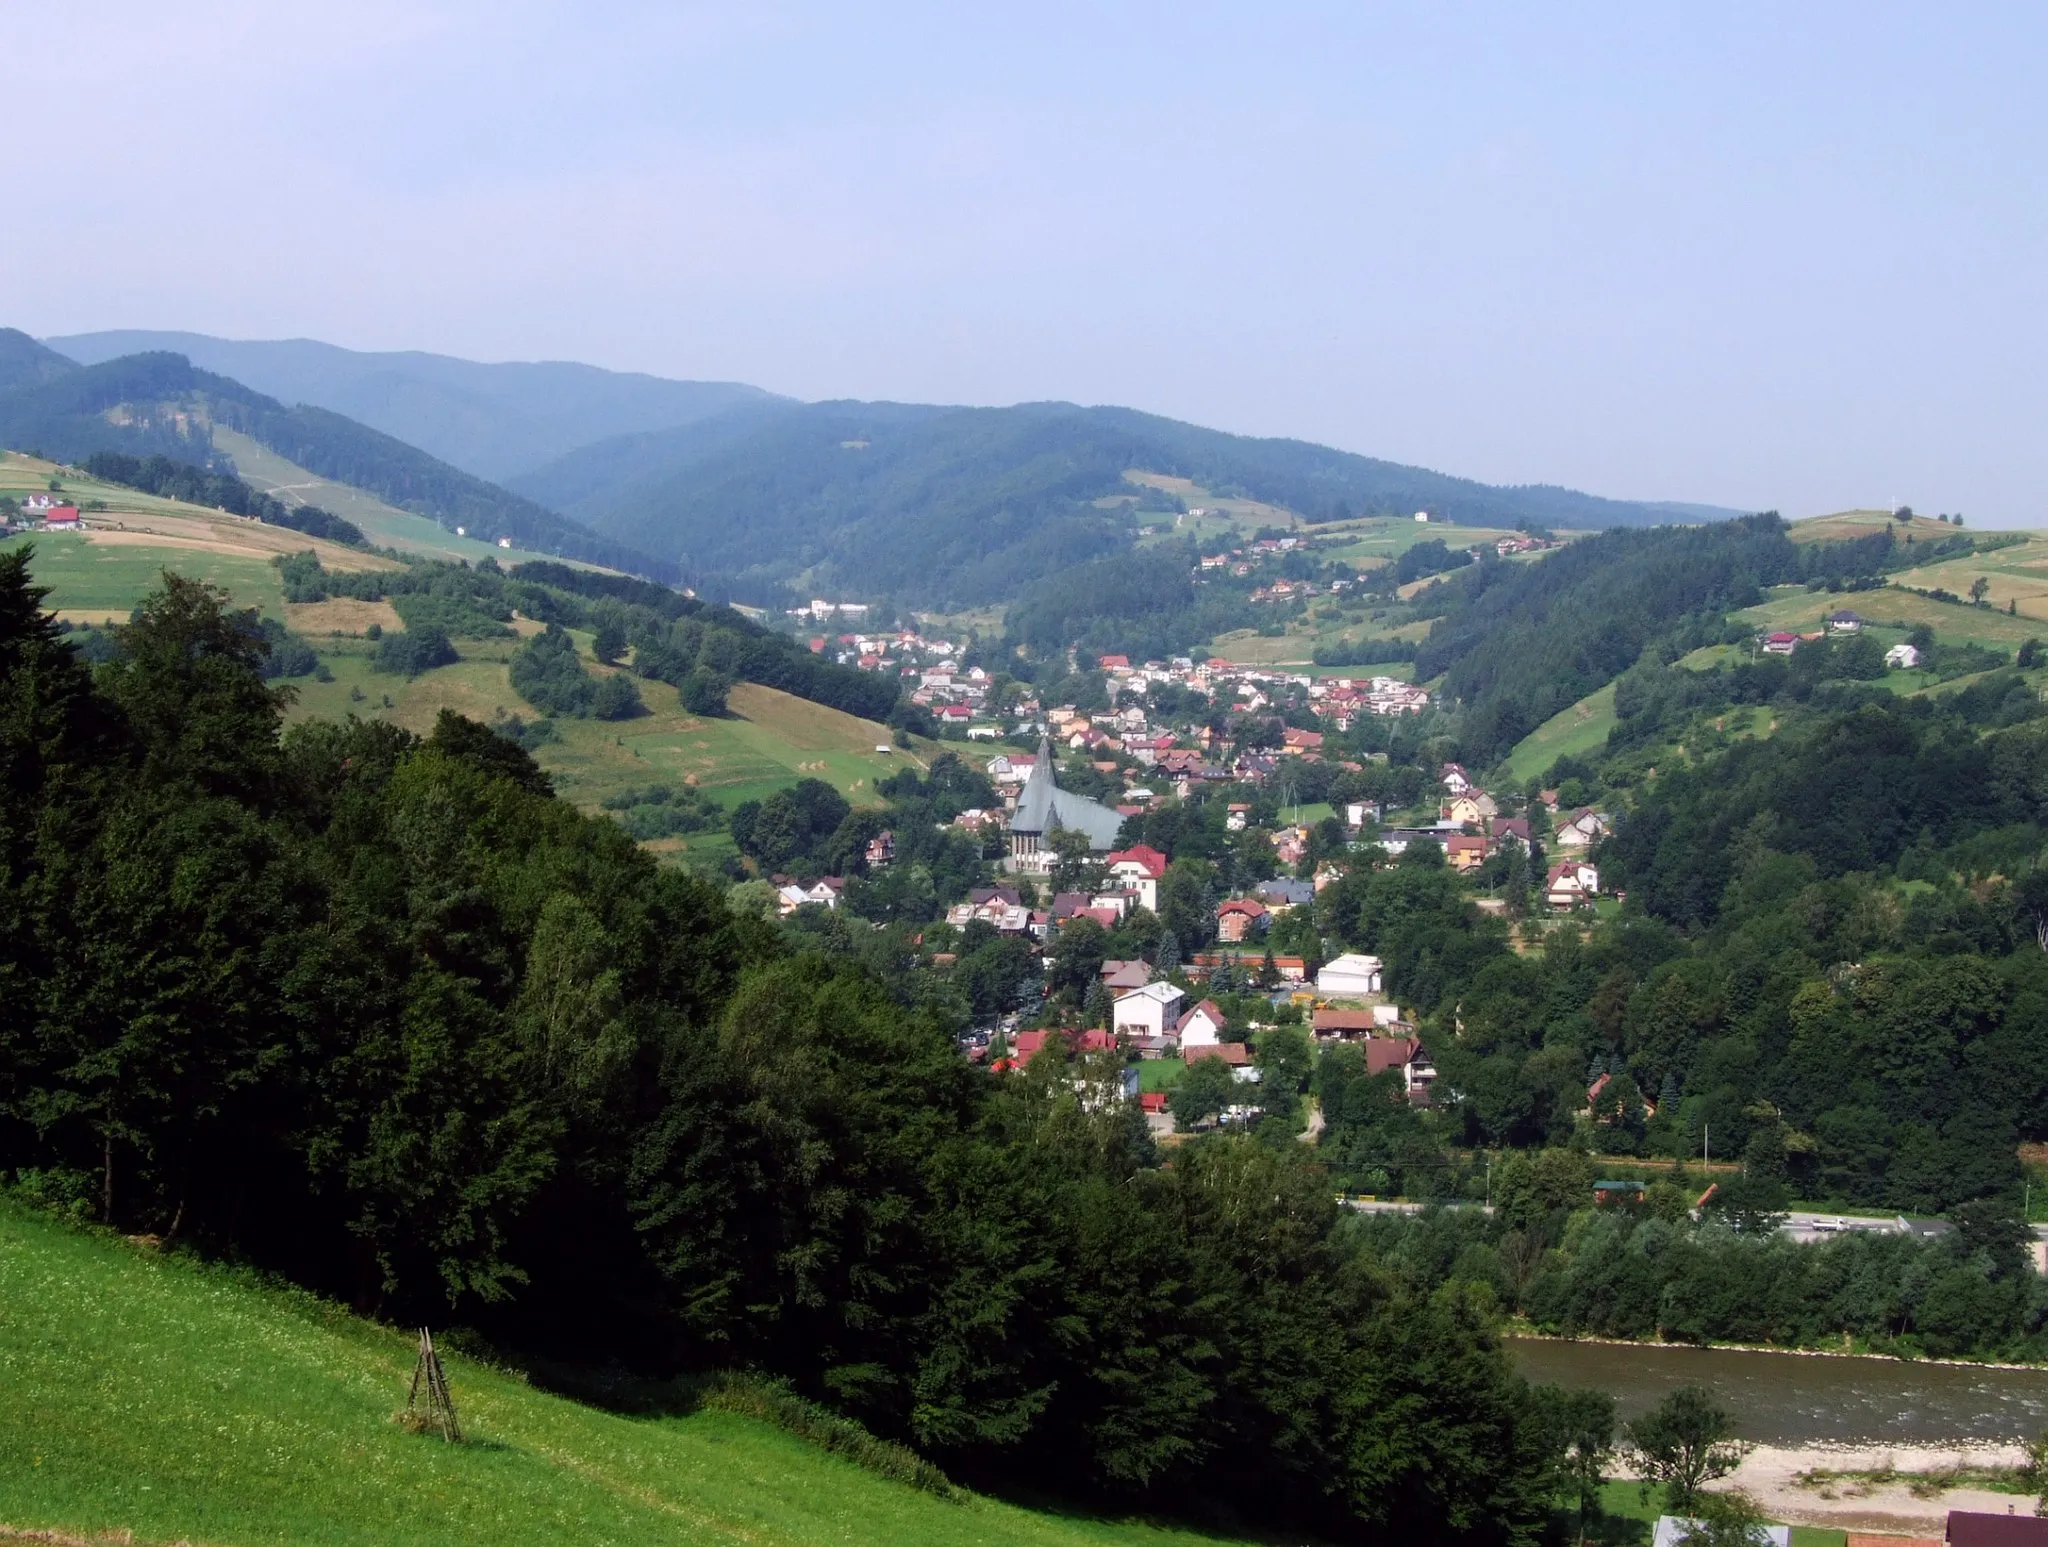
(759, 497)
(162, 404)
(491, 419)
(964, 505)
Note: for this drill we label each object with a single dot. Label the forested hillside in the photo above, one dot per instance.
(160, 405)
(1517, 643)
(967, 505)
(23, 361)
(381, 1014)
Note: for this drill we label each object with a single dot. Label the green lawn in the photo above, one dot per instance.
(1631, 1517)
(87, 577)
(1156, 1074)
(184, 1403)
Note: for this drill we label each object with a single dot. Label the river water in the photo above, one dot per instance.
(1795, 1399)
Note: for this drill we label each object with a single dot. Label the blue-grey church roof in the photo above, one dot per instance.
(1043, 805)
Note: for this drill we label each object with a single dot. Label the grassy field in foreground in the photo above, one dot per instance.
(184, 1403)
(92, 580)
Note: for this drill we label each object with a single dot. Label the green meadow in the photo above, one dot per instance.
(91, 578)
(148, 1394)
(385, 525)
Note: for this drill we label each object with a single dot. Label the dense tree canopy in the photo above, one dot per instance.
(380, 1012)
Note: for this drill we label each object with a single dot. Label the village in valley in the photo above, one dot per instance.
(1184, 961)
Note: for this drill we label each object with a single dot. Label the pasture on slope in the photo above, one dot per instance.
(386, 525)
(128, 538)
(2016, 574)
(768, 741)
(150, 1394)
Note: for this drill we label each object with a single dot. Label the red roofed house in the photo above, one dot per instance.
(1138, 870)
(1292, 969)
(1299, 741)
(1501, 827)
(1465, 853)
(1780, 643)
(1237, 917)
(1029, 1045)
(1343, 1023)
(818, 646)
(1113, 662)
(1152, 1101)
(1236, 1054)
(1404, 1054)
(1571, 884)
(61, 517)
(1095, 1041)
(1971, 1528)
(1203, 1026)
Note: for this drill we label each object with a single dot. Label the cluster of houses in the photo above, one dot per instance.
(1900, 657)
(1154, 1018)
(48, 512)
(1183, 758)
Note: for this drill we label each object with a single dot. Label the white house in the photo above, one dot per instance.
(1349, 977)
(1585, 828)
(1148, 1011)
(1203, 1026)
(1672, 1530)
(1010, 767)
(1905, 657)
(1139, 870)
(1571, 883)
(824, 892)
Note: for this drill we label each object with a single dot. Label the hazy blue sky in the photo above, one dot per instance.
(1758, 255)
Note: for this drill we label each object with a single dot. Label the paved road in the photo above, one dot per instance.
(1800, 1224)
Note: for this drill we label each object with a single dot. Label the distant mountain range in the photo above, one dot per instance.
(722, 484)
(494, 421)
(966, 505)
(161, 404)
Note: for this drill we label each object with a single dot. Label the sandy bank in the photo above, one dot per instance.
(1768, 1474)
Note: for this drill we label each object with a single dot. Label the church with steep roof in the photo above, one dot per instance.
(1043, 808)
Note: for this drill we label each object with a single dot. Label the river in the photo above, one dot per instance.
(1795, 1399)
